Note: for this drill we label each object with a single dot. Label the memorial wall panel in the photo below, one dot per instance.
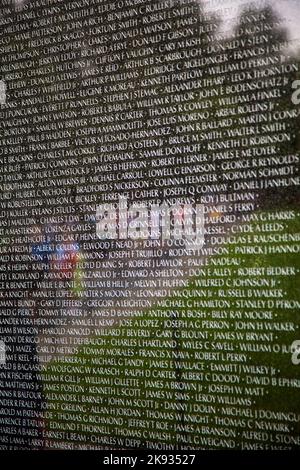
(149, 224)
